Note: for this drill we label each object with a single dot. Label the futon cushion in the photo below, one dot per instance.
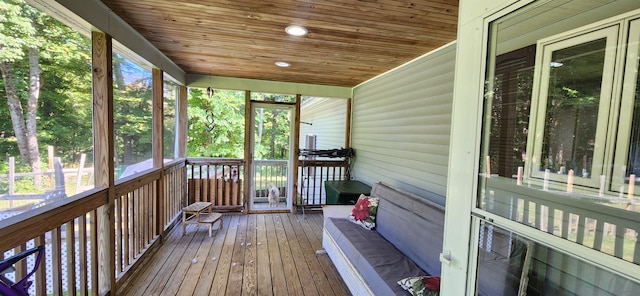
(413, 224)
(377, 260)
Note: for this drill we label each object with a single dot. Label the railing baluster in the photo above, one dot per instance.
(619, 241)
(117, 205)
(21, 266)
(582, 221)
(83, 263)
(597, 241)
(146, 226)
(40, 282)
(70, 244)
(56, 261)
(565, 224)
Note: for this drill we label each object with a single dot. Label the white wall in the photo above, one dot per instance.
(401, 125)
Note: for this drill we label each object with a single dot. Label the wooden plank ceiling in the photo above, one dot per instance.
(349, 41)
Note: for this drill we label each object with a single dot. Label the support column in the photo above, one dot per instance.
(158, 146)
(247, 149)
(347, 132)
(103, 143)
(182, 132)
(296, 146)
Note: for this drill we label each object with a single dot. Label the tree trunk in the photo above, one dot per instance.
(274, 129)
(32, 113)
(15, 109)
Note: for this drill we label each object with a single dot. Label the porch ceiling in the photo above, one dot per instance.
(349, 41)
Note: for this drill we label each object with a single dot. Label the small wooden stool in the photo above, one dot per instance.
(211, 219)
(200, 213)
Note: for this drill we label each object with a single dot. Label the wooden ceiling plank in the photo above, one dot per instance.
(349, 41)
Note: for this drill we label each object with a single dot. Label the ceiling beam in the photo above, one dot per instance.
(276, 87)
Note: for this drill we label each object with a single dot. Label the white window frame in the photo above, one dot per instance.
(545, 49)
(625, 120)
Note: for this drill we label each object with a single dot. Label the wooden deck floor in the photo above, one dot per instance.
(256, 254)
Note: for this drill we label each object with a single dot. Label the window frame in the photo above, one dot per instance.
(625, 121)
(545, 49)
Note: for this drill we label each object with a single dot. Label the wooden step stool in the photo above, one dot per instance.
(200, 213)
(211, 219)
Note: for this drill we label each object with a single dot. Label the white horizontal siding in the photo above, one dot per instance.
(401, 125)
(328, 122)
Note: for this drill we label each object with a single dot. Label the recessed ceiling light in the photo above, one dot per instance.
(283, 64)
(296, 30)
(556, 64)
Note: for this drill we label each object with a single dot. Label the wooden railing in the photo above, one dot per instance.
(72, 228)
(216, 180)
(311, 177)
(71, 231)
(68, 230)
(580, 218)
(267, 174)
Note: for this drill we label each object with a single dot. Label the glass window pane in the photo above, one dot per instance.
(571, 118)
(553, 144)
(509, 264)
(628, 155)
(216, 123)
(257, 96)
(171, 93)
(633, 165)
(48, 96)
(132, 109)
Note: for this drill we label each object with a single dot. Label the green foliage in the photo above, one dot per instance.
(18, 29)
(226, 139)
(132, 111)
(64, 108)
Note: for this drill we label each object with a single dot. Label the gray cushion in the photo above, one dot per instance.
(412, 224)
(377, 260)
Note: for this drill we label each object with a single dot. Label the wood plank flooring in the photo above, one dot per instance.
(256, 254)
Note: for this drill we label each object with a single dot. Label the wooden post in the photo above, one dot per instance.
(570, 181)
(157, 144)
(347, 132)
(296, 146)
(247, 149)
(545, 184)
(181, 133)
(488, 165)
(12, 175)
(519, 177)
(50, 159)
(630, 192)
(83, 158)
(103, 143)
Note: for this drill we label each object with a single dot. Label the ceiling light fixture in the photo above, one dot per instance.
(282, 64)
(296, 30)
(556, 64)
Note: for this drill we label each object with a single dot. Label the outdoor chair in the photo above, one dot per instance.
(21, 287)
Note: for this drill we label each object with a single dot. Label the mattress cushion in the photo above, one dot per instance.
(380, 263)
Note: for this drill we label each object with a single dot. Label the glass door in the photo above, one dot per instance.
(271, 156)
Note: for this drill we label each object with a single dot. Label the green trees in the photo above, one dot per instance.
(132, 109)
(223, 138)
(45, 87)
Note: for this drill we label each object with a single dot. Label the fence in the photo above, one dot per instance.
(73, 176)
(218, 181)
